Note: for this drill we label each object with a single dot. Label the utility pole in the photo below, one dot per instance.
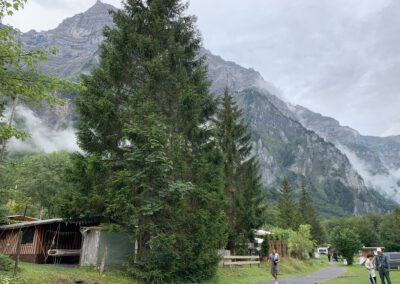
(20, 233)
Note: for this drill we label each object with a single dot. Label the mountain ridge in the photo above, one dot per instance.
(376, 158)
(284, 146)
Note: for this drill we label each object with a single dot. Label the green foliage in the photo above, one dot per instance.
(21, 80)
(245, 203)
(300, 242)
(151, 160)
(390, 231)
(346, 242)
(35, 180)
(265, 246)
(309, 216)
(374, 229)
(6, 263)
(288, 209)
(8, 7)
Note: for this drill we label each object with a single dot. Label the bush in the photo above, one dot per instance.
(6, 263)
(346, 242)
(265, 246)
(300, 242)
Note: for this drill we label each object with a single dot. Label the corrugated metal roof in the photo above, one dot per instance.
(31, 224)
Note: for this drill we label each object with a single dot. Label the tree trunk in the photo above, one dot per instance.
(10, 122)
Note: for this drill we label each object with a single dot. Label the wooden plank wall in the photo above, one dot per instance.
(8, 244)
(90, 247)
(42, 242)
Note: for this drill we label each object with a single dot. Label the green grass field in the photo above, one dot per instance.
(246, 274)
(55, 274)
(357, 274)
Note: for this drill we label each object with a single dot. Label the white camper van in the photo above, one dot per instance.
(322, 250)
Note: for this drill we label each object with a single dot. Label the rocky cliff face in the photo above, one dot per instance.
(283, 146)
(77, 40)
(377, 159)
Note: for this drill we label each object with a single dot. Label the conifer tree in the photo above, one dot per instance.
(287, 207)
(242, 180)
(151, 161)
(309, 216)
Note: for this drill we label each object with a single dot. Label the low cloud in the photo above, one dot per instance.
(43, 138)
(388, 184)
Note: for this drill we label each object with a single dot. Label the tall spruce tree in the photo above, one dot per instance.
(309, 216)
(287, 207)
(151, 162)
(242, 180)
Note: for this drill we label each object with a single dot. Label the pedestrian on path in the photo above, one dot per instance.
(382, 265)
(370, 265)
(274, 258)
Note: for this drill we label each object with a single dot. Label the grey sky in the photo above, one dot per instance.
(340, 58)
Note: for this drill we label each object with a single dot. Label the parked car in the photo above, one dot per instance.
(394, 259)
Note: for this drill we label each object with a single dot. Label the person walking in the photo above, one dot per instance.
(383, 266)
(370, 265)
(274, 258)
(334, 257)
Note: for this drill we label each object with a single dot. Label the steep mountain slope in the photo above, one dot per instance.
(377, 159)
(283, 145)
(77, 40)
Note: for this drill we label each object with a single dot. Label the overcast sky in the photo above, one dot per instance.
(340, 58)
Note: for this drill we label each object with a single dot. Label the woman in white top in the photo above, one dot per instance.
(370, 265)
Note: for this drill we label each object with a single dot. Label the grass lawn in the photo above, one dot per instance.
(55, 274)
(247, 274)
(357, 274)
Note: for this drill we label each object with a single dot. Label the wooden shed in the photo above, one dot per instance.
(103, 248)
(39, 237)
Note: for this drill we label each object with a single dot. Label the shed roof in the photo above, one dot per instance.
(30, 224)
(22, 218)
(371, 248)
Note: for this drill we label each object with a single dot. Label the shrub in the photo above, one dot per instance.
(346, 242)
(300, 242)
(265, 246)
(6, 264)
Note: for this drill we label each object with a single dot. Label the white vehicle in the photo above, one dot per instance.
(322, 250)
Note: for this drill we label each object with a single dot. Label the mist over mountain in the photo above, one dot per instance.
(288, 141)
(377, 159)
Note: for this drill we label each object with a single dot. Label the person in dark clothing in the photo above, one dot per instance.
(335, 256)
(383, 267)
(329, 256)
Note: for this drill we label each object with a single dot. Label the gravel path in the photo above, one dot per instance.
(333, 271)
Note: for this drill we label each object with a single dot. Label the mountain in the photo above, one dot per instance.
(77, 40)
(282, 144)
(377, 159)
